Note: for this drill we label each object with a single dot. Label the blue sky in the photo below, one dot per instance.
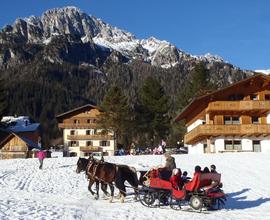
(237, 30)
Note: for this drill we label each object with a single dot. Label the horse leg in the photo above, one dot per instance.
(97, 190)
(122, 189)
(134, 183)
(112, 191)
(91, 182)
(104, 188)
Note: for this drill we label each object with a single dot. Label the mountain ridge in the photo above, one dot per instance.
(71, 20)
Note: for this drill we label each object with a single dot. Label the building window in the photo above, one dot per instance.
(89, 143)
(254, 97)
(232, 145)
(87, 154)
(256, 146)
(236, 97)
(267, 97)
(255, 120)
(73, 143)
(76, 121)
(88, 132)
(205, 148)
(72, 132)
(104, 143)
(90, 121)
(231, 120)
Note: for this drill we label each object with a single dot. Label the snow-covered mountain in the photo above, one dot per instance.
(72, 21)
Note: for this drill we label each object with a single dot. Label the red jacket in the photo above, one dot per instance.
(41, 155)
(176, 181)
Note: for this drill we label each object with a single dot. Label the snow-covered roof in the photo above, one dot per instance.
(20, 124)
(31, 144)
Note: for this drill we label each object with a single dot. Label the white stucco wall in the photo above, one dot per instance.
(195, 124)
(195, 149)
(268, 117)
(96, 143)
(219, 144)
(247, 144)
(265, 146)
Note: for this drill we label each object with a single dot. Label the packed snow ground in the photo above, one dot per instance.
(57, 192)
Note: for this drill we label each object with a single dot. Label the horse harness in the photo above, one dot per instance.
(95, 167)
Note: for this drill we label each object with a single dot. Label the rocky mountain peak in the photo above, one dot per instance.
(72, 21)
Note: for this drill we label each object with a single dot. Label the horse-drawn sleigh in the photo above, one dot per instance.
(202, 192)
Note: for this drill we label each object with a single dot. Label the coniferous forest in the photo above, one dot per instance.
(153, 95)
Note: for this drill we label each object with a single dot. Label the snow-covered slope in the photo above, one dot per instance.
(57, 192)
(70, 20)
(267, 72)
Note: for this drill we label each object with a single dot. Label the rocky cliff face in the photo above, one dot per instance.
(87, 32)
(69, 36)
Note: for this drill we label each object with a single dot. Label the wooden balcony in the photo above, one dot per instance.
(91, 149)
(206, 131)
(78, 126)
(239, 106)
(90, 137)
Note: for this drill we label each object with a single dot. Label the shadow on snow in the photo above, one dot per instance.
(236, 201)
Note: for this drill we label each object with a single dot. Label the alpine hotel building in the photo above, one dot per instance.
(82, 135)
(233, 119)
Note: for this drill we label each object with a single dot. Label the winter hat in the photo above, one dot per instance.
(175, 171)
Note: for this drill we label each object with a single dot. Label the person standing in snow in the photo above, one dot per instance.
(41, 155)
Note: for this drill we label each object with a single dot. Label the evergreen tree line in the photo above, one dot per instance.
(139, 101)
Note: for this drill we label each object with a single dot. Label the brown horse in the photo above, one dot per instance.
(82, 166)
(110, 173)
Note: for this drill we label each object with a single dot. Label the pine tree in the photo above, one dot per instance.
(152, 112)
(199, 84)
(115, 114)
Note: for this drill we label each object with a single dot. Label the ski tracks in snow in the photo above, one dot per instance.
(29, 193)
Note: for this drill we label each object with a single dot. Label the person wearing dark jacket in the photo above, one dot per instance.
(170, 162)
(213, 168)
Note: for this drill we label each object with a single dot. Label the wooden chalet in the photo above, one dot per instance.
(235, 118)
(14, 146)
(81, 133)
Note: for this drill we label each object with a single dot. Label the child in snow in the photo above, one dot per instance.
(185, 178)
(176, 179)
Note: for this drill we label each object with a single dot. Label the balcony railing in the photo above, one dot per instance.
(90, 149)
(205, 131)
(81, 125)
(253, 105)
(90, 137)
